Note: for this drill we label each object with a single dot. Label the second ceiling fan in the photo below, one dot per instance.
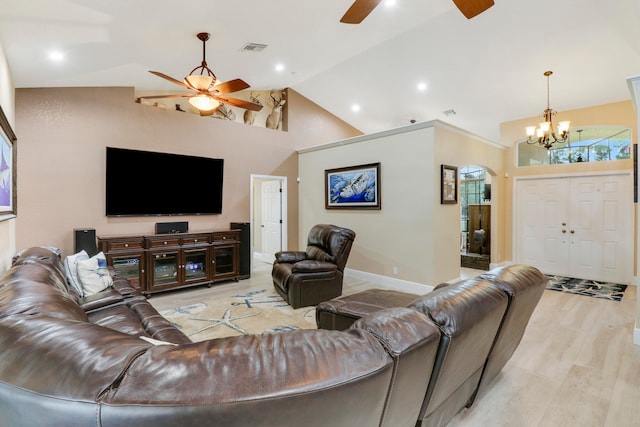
(361, 8)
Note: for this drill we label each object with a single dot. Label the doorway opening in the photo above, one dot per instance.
(475, 217)
(268, 217)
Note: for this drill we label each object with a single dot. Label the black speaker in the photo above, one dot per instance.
(245, 248)
(85, 238)
(172, 227)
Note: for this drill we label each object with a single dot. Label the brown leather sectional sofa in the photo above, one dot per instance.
(70, 361)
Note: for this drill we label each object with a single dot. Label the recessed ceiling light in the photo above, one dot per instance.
(422, 86)
(279, 67)
(56, 56)
(355, 108)
(390, 3)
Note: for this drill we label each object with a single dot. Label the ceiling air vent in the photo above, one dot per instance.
(449, 113)
(253, 47)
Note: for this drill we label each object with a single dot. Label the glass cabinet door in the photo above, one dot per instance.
(195, 265)
(225, 261)
(164, 269)
(129, 267)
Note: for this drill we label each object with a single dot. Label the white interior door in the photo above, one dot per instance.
(271, 218)
(576, 226)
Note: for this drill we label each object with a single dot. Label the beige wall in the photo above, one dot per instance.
(458, 148)
(307, 118)
(63, 133)
(412, 231)
(7, 226)
(614, 114)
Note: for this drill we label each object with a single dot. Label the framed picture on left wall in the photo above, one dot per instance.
(7, 169)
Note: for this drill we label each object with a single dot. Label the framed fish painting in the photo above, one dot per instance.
(353, 187)
(7, 169)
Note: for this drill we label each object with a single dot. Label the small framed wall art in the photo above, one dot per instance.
(7, 168)
(353, 187)
(448, 184)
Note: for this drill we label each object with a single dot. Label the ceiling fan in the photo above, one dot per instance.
(361, 8)
(206, 92)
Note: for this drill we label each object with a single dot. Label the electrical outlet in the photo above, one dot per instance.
(395, 270)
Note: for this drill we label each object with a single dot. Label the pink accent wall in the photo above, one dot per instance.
(62, 135)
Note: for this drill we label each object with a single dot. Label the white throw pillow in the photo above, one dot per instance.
(71, 270)
(94, 275)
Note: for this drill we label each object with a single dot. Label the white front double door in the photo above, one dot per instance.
(576, 226)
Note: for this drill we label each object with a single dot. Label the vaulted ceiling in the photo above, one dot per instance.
(488, 69)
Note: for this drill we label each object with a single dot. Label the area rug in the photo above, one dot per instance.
(254, 312)
(591, 288)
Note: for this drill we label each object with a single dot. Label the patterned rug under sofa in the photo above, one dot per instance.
(591, 288)
(253, 312)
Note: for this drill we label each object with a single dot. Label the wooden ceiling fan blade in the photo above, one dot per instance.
(171, 79)
(138, 99)
(359, 10)
(232, 86)
(471, 8)
(247, 105)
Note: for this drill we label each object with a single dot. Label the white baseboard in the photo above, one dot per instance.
(389, 282)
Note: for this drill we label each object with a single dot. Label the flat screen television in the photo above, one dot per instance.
(140, 183)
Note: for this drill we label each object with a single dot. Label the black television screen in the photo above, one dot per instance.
(142, 183)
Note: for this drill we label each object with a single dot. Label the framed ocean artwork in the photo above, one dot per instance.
(353, 187)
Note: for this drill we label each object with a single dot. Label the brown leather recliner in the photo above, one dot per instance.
(315, 275)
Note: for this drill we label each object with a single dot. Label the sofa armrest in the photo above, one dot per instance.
(290, 257)
(100, 300)
(124, 288)
(311, 266)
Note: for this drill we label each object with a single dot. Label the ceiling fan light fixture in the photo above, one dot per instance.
(204, 102)
(205, 88)
(199, 81)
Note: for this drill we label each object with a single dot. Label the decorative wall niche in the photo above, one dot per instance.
(271, 115)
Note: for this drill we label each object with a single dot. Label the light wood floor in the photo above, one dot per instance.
(576, 365)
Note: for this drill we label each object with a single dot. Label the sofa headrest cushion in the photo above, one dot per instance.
(20, 296)
(38, 272)
(460, 306)
(47, 254)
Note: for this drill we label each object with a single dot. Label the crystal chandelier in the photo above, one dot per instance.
(545, 135)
